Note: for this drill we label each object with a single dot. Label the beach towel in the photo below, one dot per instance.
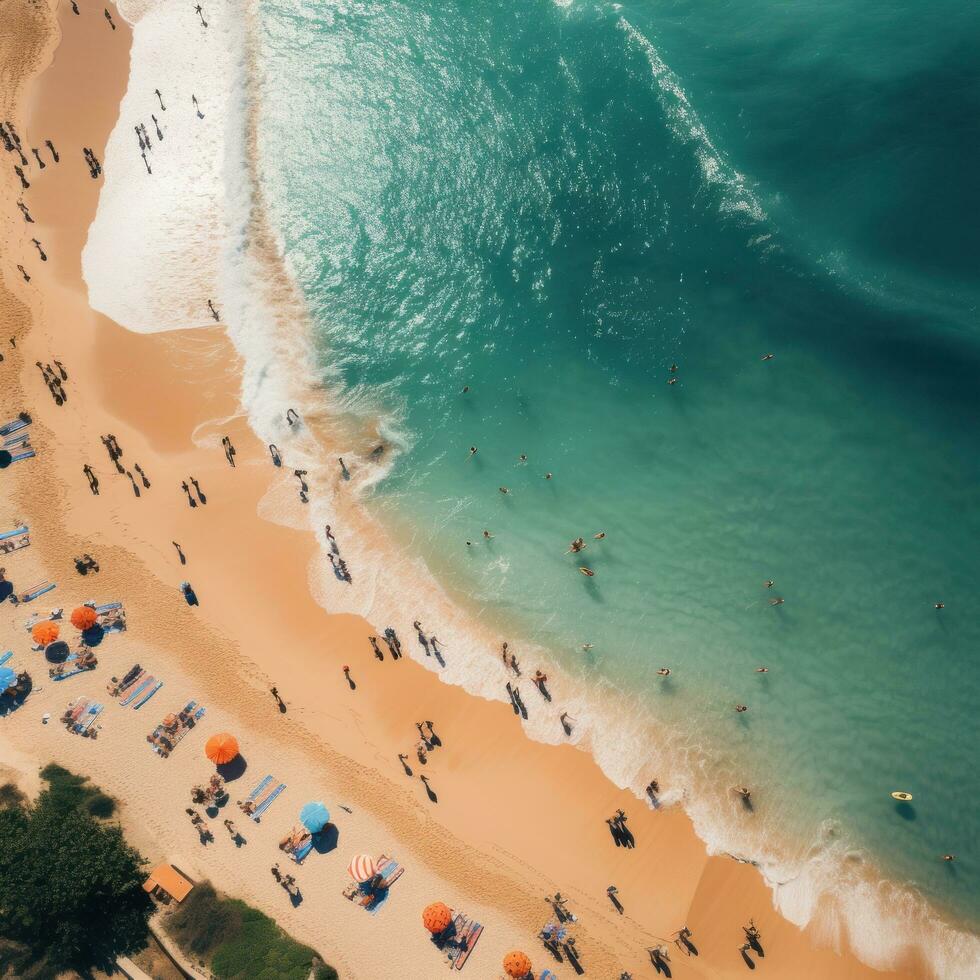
(468, 931)
(267, 802)
(143, 698)
(14, 424)
(136, 691)
(258, 789)
(36, 592)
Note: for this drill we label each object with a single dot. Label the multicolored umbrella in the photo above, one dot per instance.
(314, 817)
(362, 868)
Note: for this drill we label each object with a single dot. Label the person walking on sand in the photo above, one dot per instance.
(108, 17)
(200, 13)
(187, 490)
(23, 272)
(197, 488)
(156, 92)
(200, 115)
(25, 212)
(214, 312)
(566, 721)
(374, 646)
(40, 251)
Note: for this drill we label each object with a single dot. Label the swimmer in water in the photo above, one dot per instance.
(522, 458)
(586, 571)
(767, 357)
(547, 476)
(576, 546)
(599, 536)
(776, 602)
(503, 489)
(472, 452)
(664, 672)
(769, 583)
(487, 535)
(762, 670)
(672, 381)
(940, 605)
(740, 708)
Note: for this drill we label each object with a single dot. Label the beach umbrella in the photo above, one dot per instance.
(314, 817)
(57, 652)
(517, 964)
(221, 748)
(362, 868)
(5, 459)
(45, 633)
(84, 618)
(436, 917)
(8, 678)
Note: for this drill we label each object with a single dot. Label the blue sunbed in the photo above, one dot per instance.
(23, 529)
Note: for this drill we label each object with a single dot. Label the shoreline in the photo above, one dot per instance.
(119, 397)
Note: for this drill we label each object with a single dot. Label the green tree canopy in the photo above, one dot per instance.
(70, 887)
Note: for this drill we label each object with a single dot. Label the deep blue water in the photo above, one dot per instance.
(553, 205)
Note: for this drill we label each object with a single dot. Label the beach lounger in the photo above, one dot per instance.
(27, 454)
(21, 422)
(71, 673)
(85, 725)
(177, 737)
(468, 932)
(119, 688)
(136, 691)
(15, 544)
(253, 796)
(299, 855)
(23, 439)
(16, 532)
(35, 592)
(143, 698)
(107, 608)
(391, 870)
(5, 657)
(267, 802)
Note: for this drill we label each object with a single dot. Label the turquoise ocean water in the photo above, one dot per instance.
(552, 203)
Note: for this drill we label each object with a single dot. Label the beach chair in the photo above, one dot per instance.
(146, 695)
(188, 725)
(71, 673)
(16, 532)
(468, 932)
(137, 690)
(20, 441)
(253, 796)
(22, 421)
(35, 592)
(5, 657)
(84, 727)
(107, 608)
(266, 801)
(27, 454)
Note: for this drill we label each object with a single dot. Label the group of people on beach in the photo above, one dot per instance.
(54, 378)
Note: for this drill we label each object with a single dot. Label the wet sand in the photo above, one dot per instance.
(514, 819)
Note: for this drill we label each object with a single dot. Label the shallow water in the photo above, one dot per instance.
(552, 203)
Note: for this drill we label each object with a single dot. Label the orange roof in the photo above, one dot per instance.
(167, 877)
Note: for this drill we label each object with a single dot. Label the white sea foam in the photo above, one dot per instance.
(161, 245)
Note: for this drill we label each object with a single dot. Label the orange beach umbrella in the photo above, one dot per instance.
(517, 964)
(84, 618)
(221, 748)
(45, 633)
(436, 917)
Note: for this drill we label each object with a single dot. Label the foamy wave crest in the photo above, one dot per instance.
(199, 228)
(686, 125)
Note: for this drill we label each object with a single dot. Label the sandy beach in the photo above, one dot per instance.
(512, 820)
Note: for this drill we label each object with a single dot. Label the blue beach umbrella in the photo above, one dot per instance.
(8, 678)
(314, 817)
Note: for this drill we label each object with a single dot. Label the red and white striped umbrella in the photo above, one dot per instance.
(362, 868)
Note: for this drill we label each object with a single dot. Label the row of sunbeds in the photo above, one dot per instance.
(80, 715)
(171, 731)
